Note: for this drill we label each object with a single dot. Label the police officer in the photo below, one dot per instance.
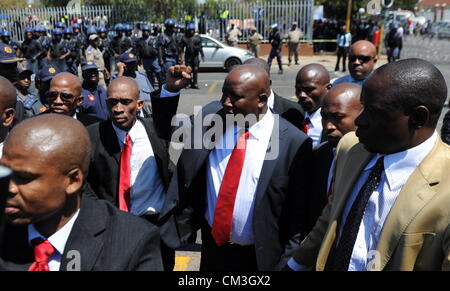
(61, 25)
(94, 96)
(127, 43)
(72, 46)
(58, 51)
(168, 48)
(293, 38)
(94, 55)
(104, 48)
(114, 47)
(6, 39)
(45, 41)
(128, 67)
(30, 102)
(81, 39)
(147, 48)
(276, 41)
(43, 79)
(191, 46)
(31, 50)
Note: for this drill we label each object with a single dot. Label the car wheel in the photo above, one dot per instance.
(231, 63)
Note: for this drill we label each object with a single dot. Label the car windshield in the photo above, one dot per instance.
(207, 42)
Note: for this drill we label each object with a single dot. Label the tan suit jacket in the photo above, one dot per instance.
(416, 234)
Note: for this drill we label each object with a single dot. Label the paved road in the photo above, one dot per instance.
(211, 82)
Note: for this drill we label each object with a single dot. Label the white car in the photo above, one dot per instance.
(220, 55)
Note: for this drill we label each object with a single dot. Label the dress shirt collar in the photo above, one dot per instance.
(315, 118)
(59, 239)
(399, 166)
(263, 127)
(133, 132)
(271, 100)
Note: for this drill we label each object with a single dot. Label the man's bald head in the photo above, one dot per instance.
(340, 109)
(7, 94)
(259, 63)
(311, 86)
(314, 72)
(362, 59)
(59, 139)
(125, 84)
(67, 80)
(246, 90)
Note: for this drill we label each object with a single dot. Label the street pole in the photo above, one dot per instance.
(349, 15)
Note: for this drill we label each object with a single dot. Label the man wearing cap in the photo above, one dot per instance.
(93, 54)
(128, 67)
(42, 82)
(293, 38)
(31, 50)
(276, 41)
(72, 46)
(30, 102)
(254, 40)
(104, 48)
(147, 48)
(168, 48)
(58, 51)
(5, 36)
(191, 46)
(114, 47)
(127, 42)
(45, 41)
(8, 62)
(94, 96)
(233, 36)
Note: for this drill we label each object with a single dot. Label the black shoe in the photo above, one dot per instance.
(296, 63)
(344, 70)
(194, 87)
(336, 69)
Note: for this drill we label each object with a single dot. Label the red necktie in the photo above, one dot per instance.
(305, 125)
(125, 175)
(43, 250)
(223, 214)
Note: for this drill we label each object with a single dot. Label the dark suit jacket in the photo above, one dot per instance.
(289, 110)
(322, 159)
(280, 199)
(106, 238)
(105, 159)
(445, 130)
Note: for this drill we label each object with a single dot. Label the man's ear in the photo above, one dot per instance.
(419, 117)
(8, 116)
(140, 104)
(75, 181)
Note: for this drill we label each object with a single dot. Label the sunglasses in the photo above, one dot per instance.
(64, 96)
(113, 101)
(362, 59)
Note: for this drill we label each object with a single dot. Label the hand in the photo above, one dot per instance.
(178, 77)
(107, 74)
(120, 68)
(203, 59)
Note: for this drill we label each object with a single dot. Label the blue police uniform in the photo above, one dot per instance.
(94, 103)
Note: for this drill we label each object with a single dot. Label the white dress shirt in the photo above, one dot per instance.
(271, 99)
(58, 240)
(147, 190)
(257, 144)
(315, 127)
(398, 168)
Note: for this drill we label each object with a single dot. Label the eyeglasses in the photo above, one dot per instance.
(51, 95)
(362, 59)
(113, 101)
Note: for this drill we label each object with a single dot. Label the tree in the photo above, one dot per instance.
(4, 4)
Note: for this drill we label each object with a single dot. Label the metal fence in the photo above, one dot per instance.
(246, 15)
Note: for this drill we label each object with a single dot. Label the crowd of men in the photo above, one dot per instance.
(353, 176)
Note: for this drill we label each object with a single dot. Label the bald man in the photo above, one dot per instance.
(257, 166)
(50, 210)
(362, 59)
(8, 102)
(311, 86)
(287, 109)
(127, 139)
(341, 107)
(64, 97)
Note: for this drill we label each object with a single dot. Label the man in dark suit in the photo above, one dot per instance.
(289, 110)
(266, 183)
(148, 177)
(445, 130)
(64, 97)
(50, 209)
(340, 108)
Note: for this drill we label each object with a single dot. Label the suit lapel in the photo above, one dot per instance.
(417, 192)
(84, 242)
(109, 140)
